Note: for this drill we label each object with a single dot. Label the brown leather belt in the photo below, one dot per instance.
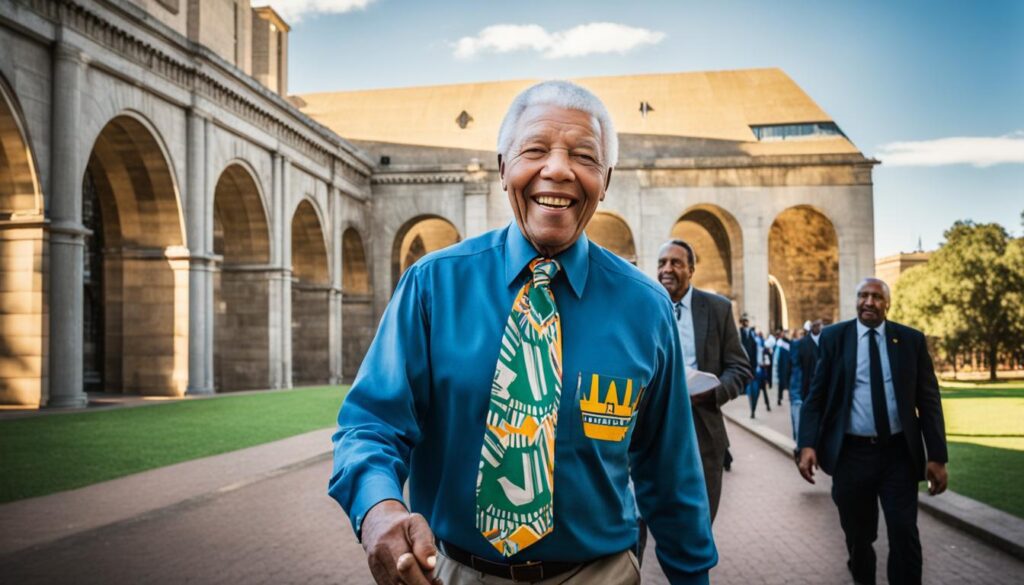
(528, 572)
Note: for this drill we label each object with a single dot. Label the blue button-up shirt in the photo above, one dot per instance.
(419, 403)
(684, 323)
(862, 415)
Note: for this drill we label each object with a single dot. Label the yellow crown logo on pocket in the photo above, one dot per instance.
(608, 419)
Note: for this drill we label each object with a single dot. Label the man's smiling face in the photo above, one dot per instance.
(555, 174)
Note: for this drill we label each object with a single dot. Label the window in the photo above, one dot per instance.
(808, 131)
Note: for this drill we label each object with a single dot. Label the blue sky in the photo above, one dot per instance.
(947, 77)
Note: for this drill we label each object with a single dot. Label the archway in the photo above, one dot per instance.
(417, 238)
(803, 257)
(311, 287)
(356, 303)
(241, 289)
(778, 312)
(612, 232)
(23, 310)
(136, 275)
(718, 244)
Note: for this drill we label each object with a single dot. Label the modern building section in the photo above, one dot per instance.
(172, 223)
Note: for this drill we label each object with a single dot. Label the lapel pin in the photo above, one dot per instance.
(894, 340)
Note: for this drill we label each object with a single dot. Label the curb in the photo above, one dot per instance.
(995, 527)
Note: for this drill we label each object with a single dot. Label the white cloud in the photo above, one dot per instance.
(585, 39)
(979, 151)
(292, 11)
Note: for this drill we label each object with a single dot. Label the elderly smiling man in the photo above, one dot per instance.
(518, 380)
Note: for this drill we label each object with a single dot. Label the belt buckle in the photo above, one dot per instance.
(528, 572)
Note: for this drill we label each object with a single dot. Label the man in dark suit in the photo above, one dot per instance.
(873, 421)
(804, 357)
(710, 343)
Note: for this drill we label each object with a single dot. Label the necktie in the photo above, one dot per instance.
(515, 483)
(878, 402)
(679, 310)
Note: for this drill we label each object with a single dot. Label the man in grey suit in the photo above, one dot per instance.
(710, 343)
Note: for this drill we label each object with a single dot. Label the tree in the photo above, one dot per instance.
(969, 292)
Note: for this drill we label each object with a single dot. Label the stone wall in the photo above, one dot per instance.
(358, 328)
(310, 358)
(241, 331)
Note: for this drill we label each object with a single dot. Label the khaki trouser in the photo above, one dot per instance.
(618, 569)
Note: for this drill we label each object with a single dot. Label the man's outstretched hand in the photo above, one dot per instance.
(399, 545)
(807, 463)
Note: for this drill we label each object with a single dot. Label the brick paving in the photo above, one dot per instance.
(772, 528)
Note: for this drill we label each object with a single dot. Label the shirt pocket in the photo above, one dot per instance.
(607, 405)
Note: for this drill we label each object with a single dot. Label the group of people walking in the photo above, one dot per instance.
(783, 361)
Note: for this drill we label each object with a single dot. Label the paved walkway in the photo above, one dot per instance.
(282, 528)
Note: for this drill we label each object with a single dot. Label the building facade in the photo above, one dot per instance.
(172, 223)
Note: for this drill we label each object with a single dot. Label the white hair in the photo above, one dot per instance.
(561, 94)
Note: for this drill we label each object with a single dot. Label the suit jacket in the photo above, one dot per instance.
(784, 365)
(826, 408)
(749, 345)
(718, 352)
(804, 358)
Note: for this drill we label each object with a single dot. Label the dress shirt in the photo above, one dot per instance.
(684, 322)
(419, 403)
(862, 417)
(816, 337)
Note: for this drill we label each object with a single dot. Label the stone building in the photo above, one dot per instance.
(744, 165)
(891, 268)
(170, 223)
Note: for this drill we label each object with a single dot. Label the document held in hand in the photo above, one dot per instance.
(698, 382)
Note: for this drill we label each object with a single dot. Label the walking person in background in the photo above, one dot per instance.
(710, 343)
(796, 381)
(758, 387)
(873, 421)
(780, 362)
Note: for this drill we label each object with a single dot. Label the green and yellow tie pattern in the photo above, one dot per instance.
(514, 487)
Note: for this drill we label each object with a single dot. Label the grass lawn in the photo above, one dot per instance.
(46, 454)
(985, 432)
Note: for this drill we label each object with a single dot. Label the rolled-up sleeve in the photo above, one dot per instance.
(667, 471)
(378, 424)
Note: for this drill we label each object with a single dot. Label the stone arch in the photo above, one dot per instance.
(717, 241)
(778, 310)
(23, 310)
(418, 237)
(803, 257)
(136, 265)
(610, 231)
(241, 238)
(311, 288)
(356, 303)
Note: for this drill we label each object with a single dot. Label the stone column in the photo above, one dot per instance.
(334, 326)
(67, 234)
(200, 283)
(475, 191)
(755, 271)
(280, 303)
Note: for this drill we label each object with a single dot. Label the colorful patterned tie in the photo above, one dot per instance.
(515, 483)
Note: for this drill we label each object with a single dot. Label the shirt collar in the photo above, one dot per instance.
(862, 330)
(685, 301)
(574, 260)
